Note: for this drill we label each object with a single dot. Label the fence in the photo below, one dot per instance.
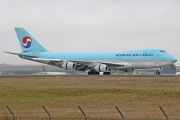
(83, 116)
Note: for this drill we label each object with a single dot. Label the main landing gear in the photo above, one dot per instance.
(106, 73)
(93, 72)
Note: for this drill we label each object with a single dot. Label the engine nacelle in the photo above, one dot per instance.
(101, 68)
(69, 66)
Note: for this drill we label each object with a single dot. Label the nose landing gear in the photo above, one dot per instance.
(158, 72)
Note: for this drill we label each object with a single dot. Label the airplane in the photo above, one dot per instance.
(93, 62)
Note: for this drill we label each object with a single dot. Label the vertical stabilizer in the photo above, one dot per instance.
(27, 42)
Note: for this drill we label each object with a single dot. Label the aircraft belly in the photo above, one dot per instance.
(143, 65)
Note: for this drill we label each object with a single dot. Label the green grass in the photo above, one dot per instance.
(134, 94)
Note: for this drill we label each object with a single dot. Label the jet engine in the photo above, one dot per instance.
(101, 68)
(69, 65)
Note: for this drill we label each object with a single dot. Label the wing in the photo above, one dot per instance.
(81, 65)
(59, 62)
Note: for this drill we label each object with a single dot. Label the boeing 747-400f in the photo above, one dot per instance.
(92, 62)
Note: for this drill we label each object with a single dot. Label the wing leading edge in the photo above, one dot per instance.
(80, 64)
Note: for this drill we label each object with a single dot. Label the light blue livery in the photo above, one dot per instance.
(92, 62)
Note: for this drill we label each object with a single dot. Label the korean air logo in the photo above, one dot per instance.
(26, 42)
(118, 55)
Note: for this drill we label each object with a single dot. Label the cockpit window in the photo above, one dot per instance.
(162, 51)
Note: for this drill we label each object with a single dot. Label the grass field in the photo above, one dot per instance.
(136, 96)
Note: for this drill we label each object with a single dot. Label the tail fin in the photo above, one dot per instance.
(27, 42)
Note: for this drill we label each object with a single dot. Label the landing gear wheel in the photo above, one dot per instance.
(106, 73)
(157, 72)
(93, 73)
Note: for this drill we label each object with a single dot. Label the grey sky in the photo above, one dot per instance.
(91, 25)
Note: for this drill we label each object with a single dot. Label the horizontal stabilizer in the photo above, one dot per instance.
(32, 56)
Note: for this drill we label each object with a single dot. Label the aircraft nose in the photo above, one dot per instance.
(174, 59)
